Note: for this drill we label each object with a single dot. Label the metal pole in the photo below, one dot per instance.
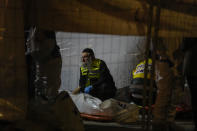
(155, 42)
(148, 41)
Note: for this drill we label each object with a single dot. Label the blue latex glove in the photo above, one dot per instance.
(88, 89)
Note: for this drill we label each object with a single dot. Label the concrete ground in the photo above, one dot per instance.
(111, 126)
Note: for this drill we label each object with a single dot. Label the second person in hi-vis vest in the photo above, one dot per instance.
(137, 86)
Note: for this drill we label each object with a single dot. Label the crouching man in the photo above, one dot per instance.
(95, 77)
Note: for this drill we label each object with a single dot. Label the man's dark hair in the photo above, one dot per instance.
(88, 50)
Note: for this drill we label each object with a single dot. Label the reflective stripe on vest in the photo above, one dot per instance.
(139, 71)
(93, 72)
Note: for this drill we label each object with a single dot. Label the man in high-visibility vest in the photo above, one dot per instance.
(137, 86)
(95, 77)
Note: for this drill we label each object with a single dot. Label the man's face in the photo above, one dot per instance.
(85, 58)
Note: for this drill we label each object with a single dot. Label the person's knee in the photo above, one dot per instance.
(106, 91)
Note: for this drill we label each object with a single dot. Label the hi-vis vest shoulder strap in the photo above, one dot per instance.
(139, 70)
(92, 72)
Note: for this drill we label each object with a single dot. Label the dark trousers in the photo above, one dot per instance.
(104, 91)
(192, 82)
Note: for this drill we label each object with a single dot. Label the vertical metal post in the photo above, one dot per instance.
(148, 41)
(155, 42)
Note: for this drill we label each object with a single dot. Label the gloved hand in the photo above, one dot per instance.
(88, 89)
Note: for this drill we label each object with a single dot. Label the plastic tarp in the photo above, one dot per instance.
(87, 103)
(119, 111)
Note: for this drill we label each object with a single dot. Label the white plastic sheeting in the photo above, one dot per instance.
(113, 108)
(119, 53)
(87, 103)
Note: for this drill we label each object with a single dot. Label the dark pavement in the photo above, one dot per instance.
(106, 126)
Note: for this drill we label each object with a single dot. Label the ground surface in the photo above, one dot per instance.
(110, 126)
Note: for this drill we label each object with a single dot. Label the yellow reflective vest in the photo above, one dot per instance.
(138, 72)
(91, 73)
